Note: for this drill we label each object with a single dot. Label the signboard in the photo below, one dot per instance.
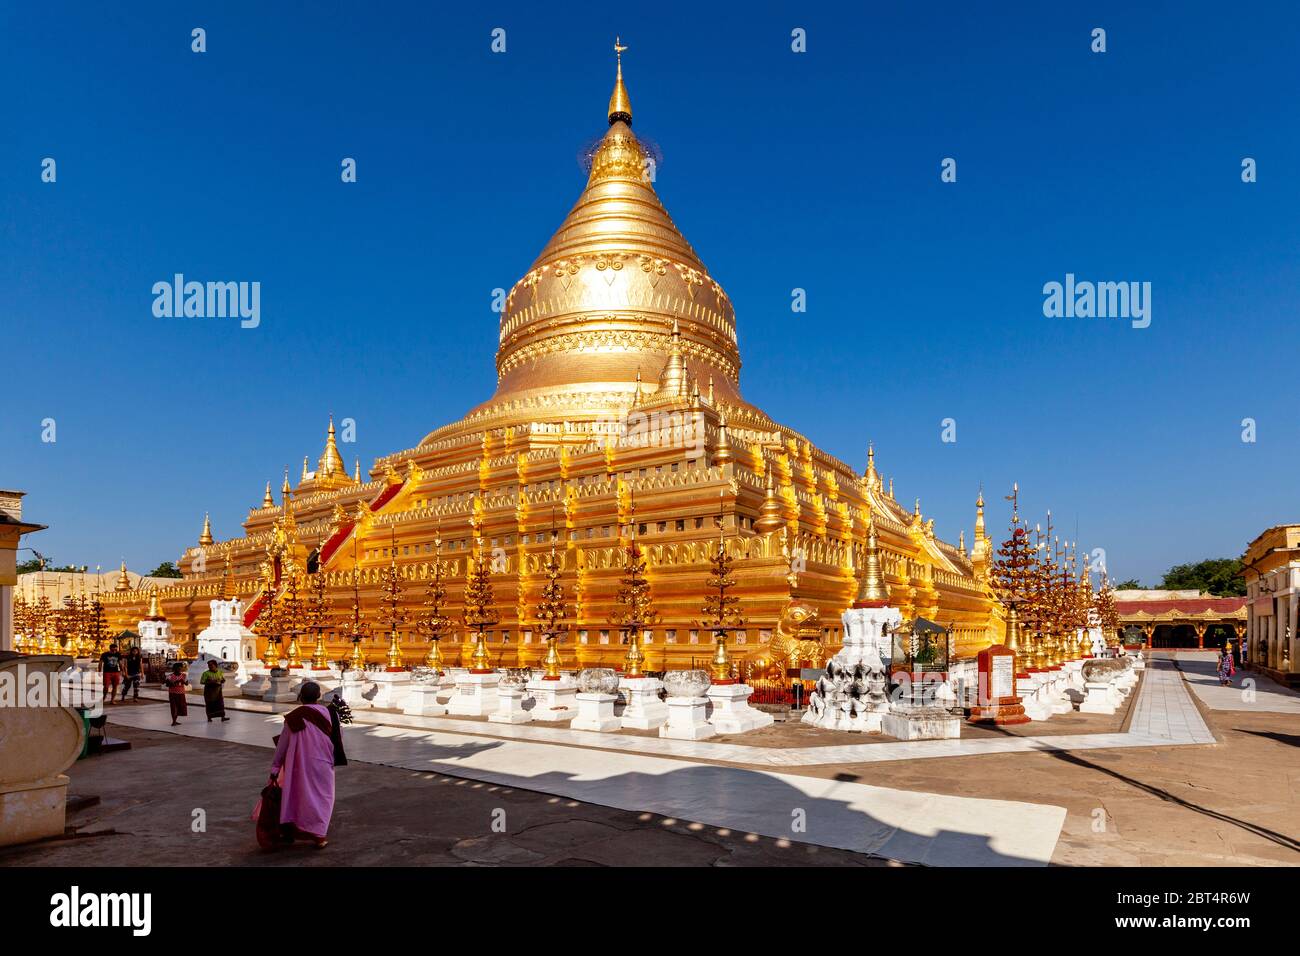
(1002, 676)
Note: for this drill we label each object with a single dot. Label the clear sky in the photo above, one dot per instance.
(817, 170)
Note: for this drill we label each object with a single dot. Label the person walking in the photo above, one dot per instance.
(1226, 668)
(110, 665)
(177, 684)
(134, 664)
(306, 753)
(213, 701)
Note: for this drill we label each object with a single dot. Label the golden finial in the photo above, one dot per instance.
(891, 486)
(961, 541)
(331, 462)
(769, 517)
(205, 537)
(872, 592)
(636, 396)
(357, 476)
(304, 467)
(620, 105)
(155, 612)
(267, 500)
(722, 454)
(123, 582)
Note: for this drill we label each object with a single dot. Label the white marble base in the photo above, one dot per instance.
(476, 695)
(357, 690)
(644, 710)
(510, 706)
(1098, 700)
(596, 712)
(391, 688)
(1029, 690)
(422, 701)
(921, 723)
(731, 711)
(281, 690)
(687, 719)
(554, 700)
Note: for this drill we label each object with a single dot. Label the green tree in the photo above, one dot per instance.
(165, 570)
(1131, 584)
(1218, 576)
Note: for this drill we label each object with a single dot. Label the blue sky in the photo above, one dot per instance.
(818, 170)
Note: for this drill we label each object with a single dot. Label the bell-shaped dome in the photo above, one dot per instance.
(602, 301)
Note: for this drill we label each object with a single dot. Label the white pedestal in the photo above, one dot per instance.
(256, 684)
(553, 700)
(422, 701)
(476, 695)
(644, 711)
(281, 690)
(731, 711)
(391, 688)
(1029, 690)
(510, 706)
(1098, 700)
(687, 719)
(595, 712)
(357, 690)
(911, 718)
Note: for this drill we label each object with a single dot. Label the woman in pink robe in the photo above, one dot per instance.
(304, 768)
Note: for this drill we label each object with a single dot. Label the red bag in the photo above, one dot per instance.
(269, 832)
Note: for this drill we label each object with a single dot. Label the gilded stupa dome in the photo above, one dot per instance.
(615, 293)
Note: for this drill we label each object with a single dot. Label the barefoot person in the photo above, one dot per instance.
(213, 702)
(110, 663)
(303, 766)
(134, 664)
(177, 684)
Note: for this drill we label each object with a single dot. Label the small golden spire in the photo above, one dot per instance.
(872, 591)
(675, 379)
(961, 541)
(620, 105)
(711, 390)
(722, 454)
(769, 517)
(357, 476)
(155, 612)
(870, 474)
(225, 578)
(637, 396)
(267, 500)
(123, 582)
(304, 468)
(285, 490)
(891, 486)
(331, 462)
(979, 515)
(205, 537)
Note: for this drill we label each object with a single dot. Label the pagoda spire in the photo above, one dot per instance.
(675, 379)
(872, 592)
(722, 454)
(155, 611)
(267, 500)
(331, 462)
(769, 516)
(123, 582)
(205, 536)
(620, 105)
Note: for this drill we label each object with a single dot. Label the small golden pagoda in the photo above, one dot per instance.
(603, 345)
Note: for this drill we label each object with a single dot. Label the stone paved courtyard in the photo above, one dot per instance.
(1230, 802)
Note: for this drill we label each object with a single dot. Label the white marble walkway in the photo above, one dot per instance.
(926, 828)
(1249, 691)
(1164, 716)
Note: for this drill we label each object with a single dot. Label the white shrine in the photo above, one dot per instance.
(155, 630)
(226, 638)
(853, 693)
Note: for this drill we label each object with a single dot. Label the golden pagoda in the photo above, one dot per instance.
(603, 344)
